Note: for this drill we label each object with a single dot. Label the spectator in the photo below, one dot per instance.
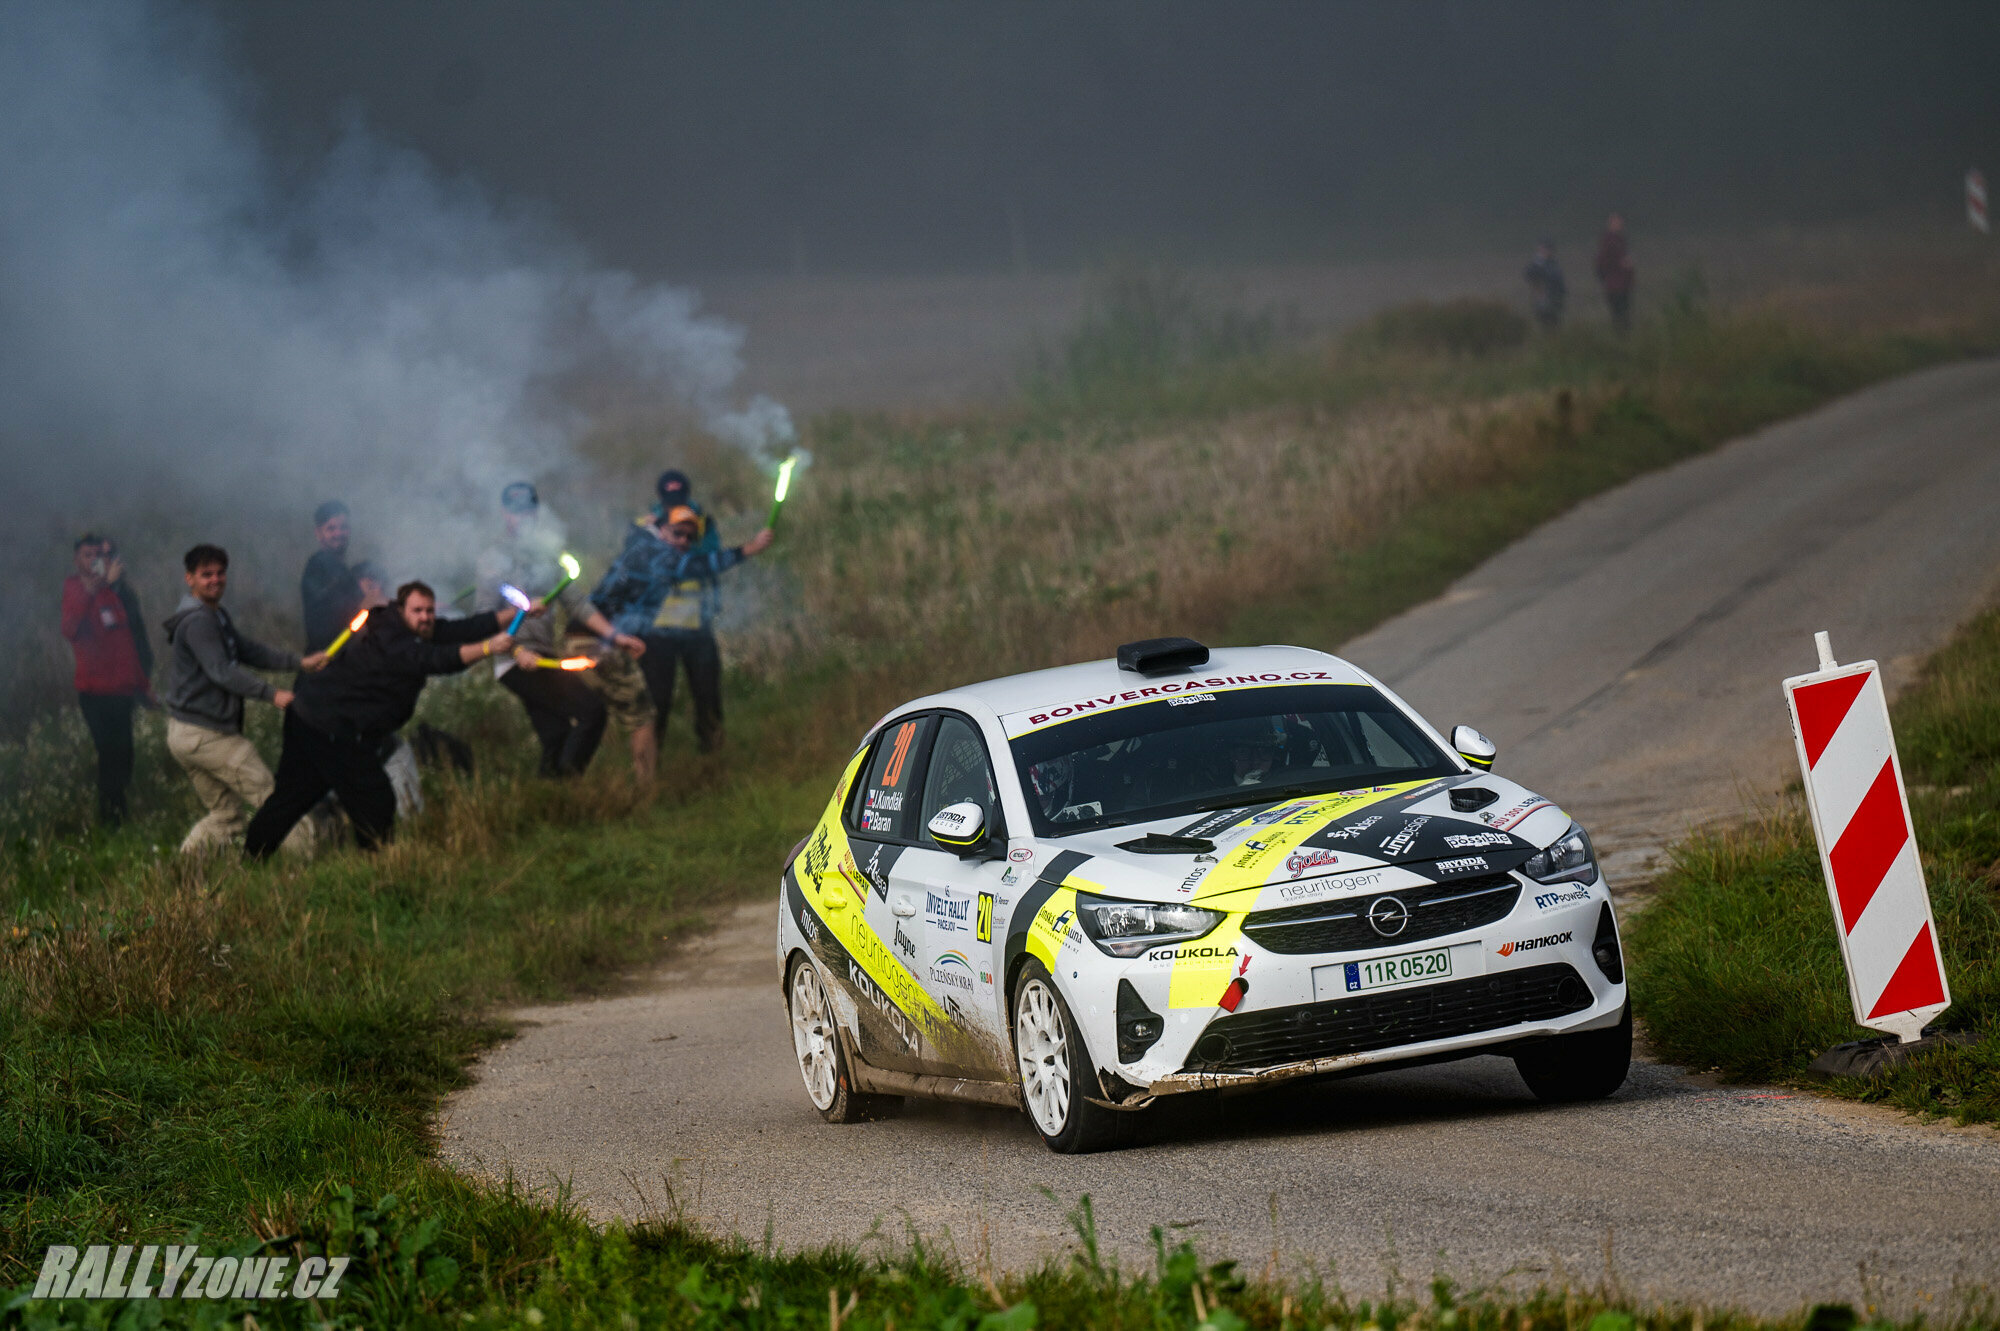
(567, 714)
(328, 592)
(343, 718)
(660, 560)
(207, 681)
(1615, 272)
(1546, 289)
(101, 618)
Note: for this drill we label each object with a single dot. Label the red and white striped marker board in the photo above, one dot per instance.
(1867, 845)
(1975, 199)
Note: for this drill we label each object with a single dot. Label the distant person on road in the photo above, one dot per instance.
(1615, 272)
(1547, 291)
(114, 664)
(568, 715)
(208, 679)
(659, 562)
(329, 595)
(344, 719)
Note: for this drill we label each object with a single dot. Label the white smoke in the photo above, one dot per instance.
(178, 316)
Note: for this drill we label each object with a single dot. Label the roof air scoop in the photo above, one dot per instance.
(1162, 656)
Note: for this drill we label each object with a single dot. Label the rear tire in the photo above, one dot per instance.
(1055, 1068)
(1588, 1065)
(822, 1057)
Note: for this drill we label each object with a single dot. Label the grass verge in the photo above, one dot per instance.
(1736, 967)
(249, 1057)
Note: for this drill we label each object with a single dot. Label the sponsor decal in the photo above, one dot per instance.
(1301, 860)
(1400, 840)
(1021, 854)
(1530, 944)
(1010, 875)
(1320, 887)
(1566, 897)
(1351, 830)
(1212, 824)
(851, 874)
(181, 1271)
(808, 925)
(1252, 852)
(953, 971)
(982, 921)
(819, 854)
(1188, 699)
(1511, 817)
(1187, 883)
(903, 943)
(986, 977)
(905, 1029)
(888, 801)
(1432, 789)
(1466, 865)
(1188, 688)
(1192, 951)
(1297, 810)
(1476, 840)
(878, 872)
(949, 816)
(946, 913)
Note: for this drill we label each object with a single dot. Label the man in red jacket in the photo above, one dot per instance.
(100, 617)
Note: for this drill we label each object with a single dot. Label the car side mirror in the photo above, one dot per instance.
(1474, 747)
(960, 827)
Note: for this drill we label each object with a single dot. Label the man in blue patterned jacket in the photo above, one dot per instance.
(658, 557)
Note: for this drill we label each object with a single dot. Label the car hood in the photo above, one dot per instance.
(1293, 850)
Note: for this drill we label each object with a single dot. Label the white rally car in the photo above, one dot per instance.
(1081, 889)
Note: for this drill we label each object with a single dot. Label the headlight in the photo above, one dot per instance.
(1127, 928)
(1570, 860)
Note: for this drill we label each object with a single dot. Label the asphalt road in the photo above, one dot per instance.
(1627, 658)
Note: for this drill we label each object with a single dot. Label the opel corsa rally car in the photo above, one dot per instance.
(1078, 890)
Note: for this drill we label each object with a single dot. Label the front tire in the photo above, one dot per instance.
(822, 1059)
(1586, 1066)
(1055, 1071)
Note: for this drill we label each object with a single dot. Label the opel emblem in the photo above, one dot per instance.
(1388, 916)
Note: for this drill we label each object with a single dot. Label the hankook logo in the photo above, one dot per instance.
(1388, 917)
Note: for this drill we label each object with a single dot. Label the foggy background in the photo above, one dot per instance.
(689, 139)
(253, 256)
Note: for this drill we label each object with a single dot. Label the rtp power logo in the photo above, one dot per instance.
(102, 1272)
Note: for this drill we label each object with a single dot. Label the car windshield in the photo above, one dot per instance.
(1200, 751)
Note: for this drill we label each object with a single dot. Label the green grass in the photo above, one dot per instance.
(1735, 964)
(241, 1054)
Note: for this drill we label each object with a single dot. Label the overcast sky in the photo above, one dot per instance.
(690, 138)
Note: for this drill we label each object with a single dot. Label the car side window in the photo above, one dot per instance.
(959, 772)
(885, 805)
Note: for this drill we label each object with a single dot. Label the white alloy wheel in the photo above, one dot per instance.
(1041, 1041)
(813, 1036)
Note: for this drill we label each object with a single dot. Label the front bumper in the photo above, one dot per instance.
(1501, 994)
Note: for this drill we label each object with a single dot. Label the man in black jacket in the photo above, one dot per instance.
(340, 717)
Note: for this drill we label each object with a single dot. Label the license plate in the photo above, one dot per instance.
(1410, 968)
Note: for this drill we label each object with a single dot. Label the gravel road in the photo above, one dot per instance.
(1626, 657)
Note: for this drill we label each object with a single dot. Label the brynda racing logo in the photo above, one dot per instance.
(1170, 689)
(1530, 944)
(1299, 861)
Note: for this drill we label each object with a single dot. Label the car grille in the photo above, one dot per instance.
(1435, 909)
(1384, 1020)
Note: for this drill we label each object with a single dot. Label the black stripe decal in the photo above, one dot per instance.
(1023, 919)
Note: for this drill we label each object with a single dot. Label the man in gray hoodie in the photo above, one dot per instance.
(207, 681)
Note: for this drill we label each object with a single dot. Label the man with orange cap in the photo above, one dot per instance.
(659, 558)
